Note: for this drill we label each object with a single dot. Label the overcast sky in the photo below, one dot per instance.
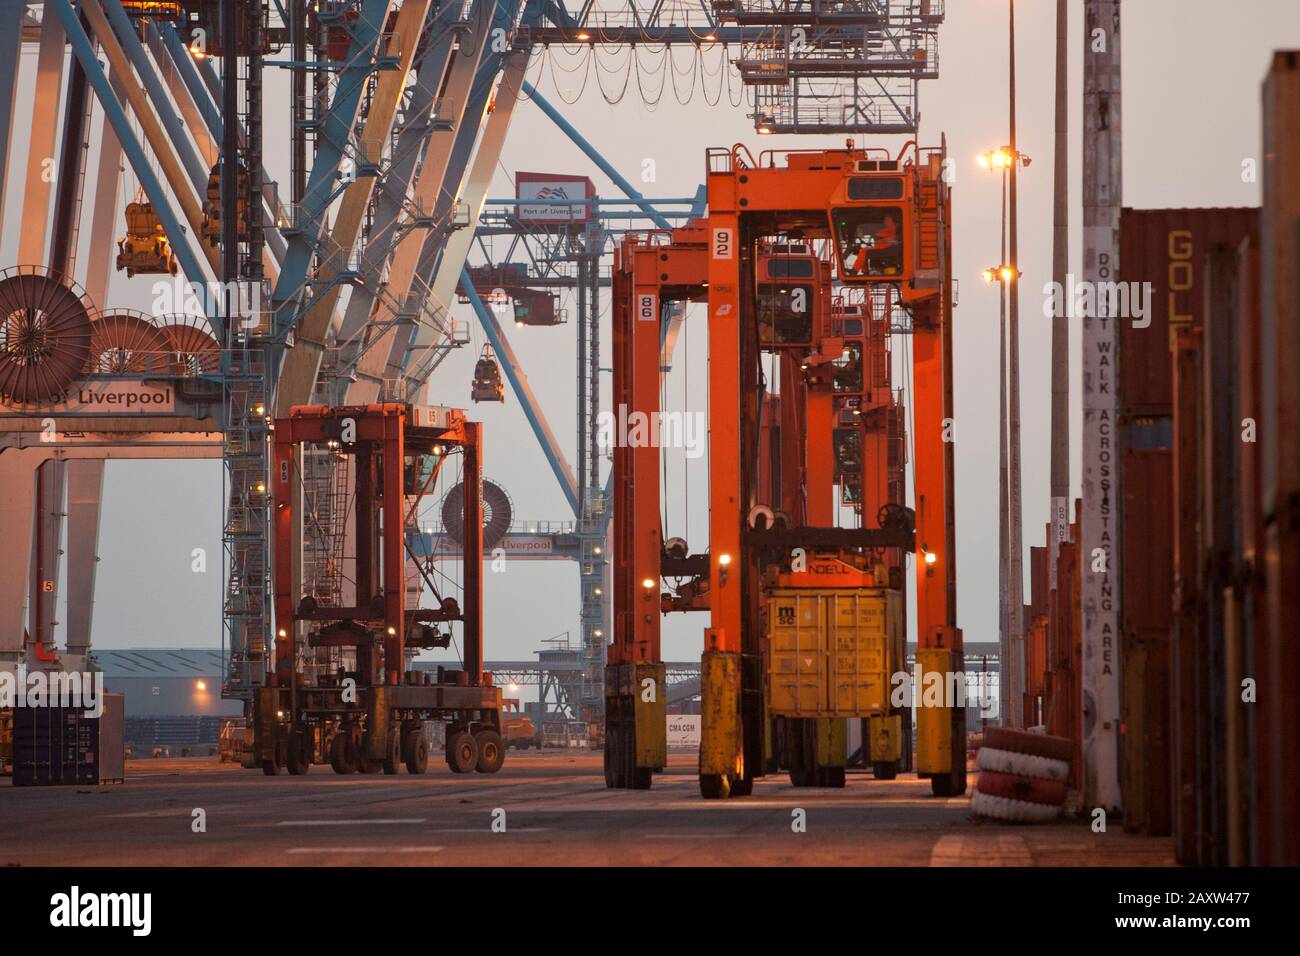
(1190, 116)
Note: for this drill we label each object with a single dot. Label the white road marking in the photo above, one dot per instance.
(348, 823)
(488, 829)
(947, 851)
(367, 849)
(689, 836)
(1003, 849)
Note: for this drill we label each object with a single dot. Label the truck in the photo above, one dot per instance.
(235, 742)
(342, 688)
(520, 732)
(567, 734)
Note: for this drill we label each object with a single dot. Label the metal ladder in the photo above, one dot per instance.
(246, 611)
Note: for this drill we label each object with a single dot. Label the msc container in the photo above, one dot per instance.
(63, 745)
(834, 651)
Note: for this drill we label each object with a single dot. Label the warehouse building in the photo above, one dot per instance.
(173, 696)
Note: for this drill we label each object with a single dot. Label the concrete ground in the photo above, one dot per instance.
(555, 810)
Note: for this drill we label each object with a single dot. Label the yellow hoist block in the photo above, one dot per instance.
(145, 247)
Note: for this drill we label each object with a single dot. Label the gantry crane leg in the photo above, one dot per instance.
(941, 730)
(722, 753)
(636, 702)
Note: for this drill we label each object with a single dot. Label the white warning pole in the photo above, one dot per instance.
(1099, 532)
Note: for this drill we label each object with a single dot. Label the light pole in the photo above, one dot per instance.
(1015, 562)
(1010, 588)
(1060, 461)
(1000, 159)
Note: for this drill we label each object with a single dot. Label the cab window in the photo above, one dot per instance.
(418, 473)
(875, 188)
(785, 313)
(792, 268)
(869, 241)
(847, 374)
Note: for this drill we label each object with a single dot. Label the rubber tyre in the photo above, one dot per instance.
(1023, 742)
(740, 786)
(628, 756)
(462, 752)
(831, 777)
(367, 764)
(271, 768)
(299, 761)
(946, 785)
(393, 752)
(1012, 811)
(714, 786)
(1021, 765)
(491, 752)
(642, 778)
(617, 772)
(1023, 789)
(417, 752)
(609, 760)
(408, 734)
(885, 769)
(340, 759)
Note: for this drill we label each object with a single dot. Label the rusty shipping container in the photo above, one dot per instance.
(1063, 708)
(1035, 630)
(1162, 254)
(1220, 705)
(1279, 348)
(1248, 648)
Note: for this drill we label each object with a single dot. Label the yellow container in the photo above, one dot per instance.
(833, 651)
